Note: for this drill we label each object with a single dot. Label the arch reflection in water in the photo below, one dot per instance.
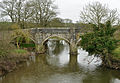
(58, 53)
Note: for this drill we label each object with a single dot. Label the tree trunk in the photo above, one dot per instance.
(106, 61)
(18, 45)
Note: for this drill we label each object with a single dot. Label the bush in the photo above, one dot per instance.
(100, 42)
(20, 36)
(95, 44)
(5, 48)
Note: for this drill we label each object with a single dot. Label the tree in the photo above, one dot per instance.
(44, 10)
(100, 42)
(7, 9)
(67, 20)
(23, 11)
(13, 9)
(26, 14)
(19, 36)
(56, 22)
(97, 13)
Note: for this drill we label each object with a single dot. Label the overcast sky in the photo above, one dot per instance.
(71, 8)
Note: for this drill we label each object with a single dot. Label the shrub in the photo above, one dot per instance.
(100, 42)
(19, 36)
(5, 48)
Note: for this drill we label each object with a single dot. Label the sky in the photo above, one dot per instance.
(71, 8)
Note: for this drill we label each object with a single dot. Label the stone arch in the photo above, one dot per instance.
(57, 36)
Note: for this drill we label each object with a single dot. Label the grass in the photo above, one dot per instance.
(116, 53)
(20, 51)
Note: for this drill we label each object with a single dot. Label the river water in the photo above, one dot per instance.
(58, 66)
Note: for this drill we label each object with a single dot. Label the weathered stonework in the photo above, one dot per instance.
(41, 35)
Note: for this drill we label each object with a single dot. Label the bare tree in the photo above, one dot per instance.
(97, 13)
(67, 21)
(45, 11)
(12, 8)
(25, 13)
(7, 9)
(22, 11)
(19, 11)
(113, 16)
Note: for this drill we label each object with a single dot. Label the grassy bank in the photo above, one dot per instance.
(10, 56)
(20, 51)
(13, 60)
(116, 53)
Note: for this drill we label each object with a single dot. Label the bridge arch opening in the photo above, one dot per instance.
(55, 37)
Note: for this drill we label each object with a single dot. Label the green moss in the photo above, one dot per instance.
(20, 51)
(27, 45)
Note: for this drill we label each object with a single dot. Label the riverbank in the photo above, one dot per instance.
(13, 62)
(115, 64)
(11, 57)
(116, 58)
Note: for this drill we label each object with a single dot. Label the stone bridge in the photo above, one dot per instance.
(70, 35)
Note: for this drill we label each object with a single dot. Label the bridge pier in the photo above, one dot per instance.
(40, 48)
(73, 48)
(73, 64)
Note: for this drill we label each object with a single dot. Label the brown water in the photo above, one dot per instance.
(58, 66)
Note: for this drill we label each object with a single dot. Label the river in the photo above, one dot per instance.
(58, 66)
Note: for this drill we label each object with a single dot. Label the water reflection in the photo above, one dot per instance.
(60, 67)
(86, 61)
(115, 81)
(60, 55)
